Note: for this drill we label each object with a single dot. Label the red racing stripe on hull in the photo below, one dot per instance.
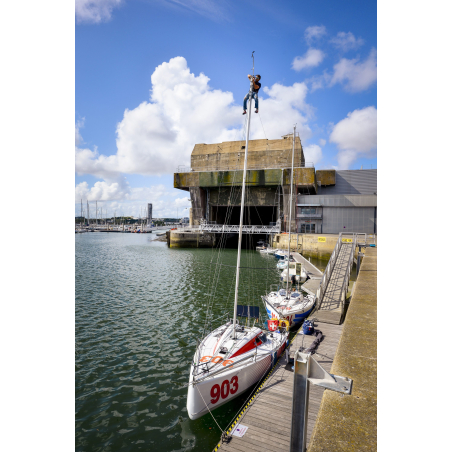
(246, 348)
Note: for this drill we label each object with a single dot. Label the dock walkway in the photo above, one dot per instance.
(333, 288)
(268, 416)
(315, 275)
(331, 308)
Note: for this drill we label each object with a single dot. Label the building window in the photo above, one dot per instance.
(307, 228)
(308, 210)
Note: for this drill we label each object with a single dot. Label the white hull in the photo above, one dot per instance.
(294, 310)
(281, 254)
(268, 251)
(239, 380)
(213, 384)
(295, 271)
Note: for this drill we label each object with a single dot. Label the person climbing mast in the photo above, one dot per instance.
(256, 86)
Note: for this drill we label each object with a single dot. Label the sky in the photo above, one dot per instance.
(155, 77)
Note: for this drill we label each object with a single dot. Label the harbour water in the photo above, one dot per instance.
(140, 307)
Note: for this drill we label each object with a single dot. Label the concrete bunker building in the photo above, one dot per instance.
(326, 201)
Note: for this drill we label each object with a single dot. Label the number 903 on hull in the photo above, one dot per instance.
(214, 392)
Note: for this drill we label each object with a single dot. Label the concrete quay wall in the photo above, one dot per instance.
(319, 246)
(181, 239)
(349, 422)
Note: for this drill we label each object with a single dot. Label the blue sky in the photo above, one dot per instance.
(317, 61)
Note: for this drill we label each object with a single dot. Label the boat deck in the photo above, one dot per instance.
(268, 416)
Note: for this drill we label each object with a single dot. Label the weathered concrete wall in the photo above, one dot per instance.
(191, 240)
(303, 177)
(254, 196)
(319, 246)
(185, 180)
(198, 205)
(326, 177)
(349, 422)
(230, 155)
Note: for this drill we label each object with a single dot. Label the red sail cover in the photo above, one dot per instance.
(273, 324)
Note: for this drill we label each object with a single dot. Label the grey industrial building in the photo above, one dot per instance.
(350, 205)
(326, 201)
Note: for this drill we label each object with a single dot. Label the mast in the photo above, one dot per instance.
(242, 208)
(290, 212)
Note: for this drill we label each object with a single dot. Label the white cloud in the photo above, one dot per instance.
(95, 11)
(355, 135)
(346, 41)
(281, 110)
(314, 32)
(312, 153)
(312, 58)
(103, 191)
(78, 125)
(356, 76)
(318, 81)
(183, 202)
(211, 9)
(322, 142)
(90, 162)
(157, 136)
(119, 197)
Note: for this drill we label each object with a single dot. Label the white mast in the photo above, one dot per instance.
(290, 212)
(242, 208)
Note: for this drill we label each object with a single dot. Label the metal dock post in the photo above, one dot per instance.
(298, 430)
(307, 369)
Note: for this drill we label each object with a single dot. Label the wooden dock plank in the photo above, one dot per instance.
(270, 413)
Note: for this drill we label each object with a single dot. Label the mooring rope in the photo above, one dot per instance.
(207, 406)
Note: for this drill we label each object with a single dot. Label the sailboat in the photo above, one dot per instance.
(283, 304)
(295, 272)
(233, 357)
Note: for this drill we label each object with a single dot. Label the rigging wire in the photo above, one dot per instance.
(222, 241)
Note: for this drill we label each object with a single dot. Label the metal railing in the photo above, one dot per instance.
(328, 271)
(361, 238)
(331, 264)
(225, 228)
(187, 169)
(344, 288)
